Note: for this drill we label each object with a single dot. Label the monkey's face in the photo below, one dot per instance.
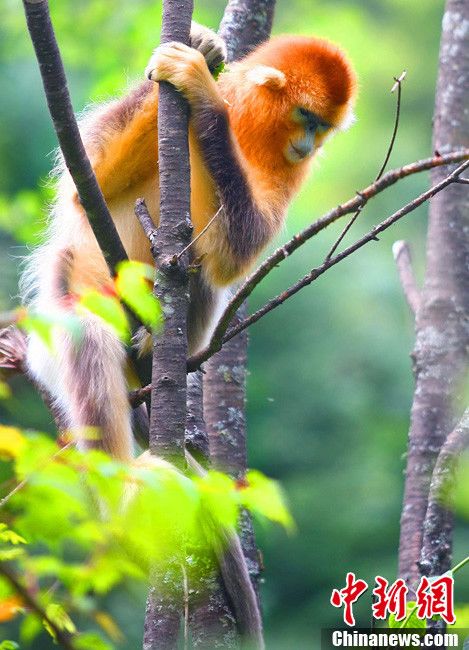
(292, 93)
(306, 134)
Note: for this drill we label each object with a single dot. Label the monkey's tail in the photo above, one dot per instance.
(235, 575)
(85, 377)
(98, 405)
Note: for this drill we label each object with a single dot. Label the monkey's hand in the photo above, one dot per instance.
(208, 43)
(186, 69)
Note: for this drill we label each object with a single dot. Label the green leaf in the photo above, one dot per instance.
(40, 325)
(411, 620)
(134, 284)
(5, 391)
(9, 645)
(264, 496)
(30, 628)
(8, 535)
(12, 441)
(44, 325)
(218, 70)
(90, 641)
(462, 617)
(109, 309)
(9, 554)
(219, 498)
(57, 615)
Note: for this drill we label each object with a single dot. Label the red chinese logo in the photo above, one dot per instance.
(390, 599)
(435, 597)
(348, 595)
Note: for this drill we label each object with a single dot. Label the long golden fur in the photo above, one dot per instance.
(253, 134)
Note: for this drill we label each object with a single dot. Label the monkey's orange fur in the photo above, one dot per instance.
(261, 95)
(318, 77)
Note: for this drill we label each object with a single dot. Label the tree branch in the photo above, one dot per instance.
(390, 178)
(436, 531)
(219, 335)
(245, 25)
(65, 639)
(68, 134)
(409, 285)
(398, 84)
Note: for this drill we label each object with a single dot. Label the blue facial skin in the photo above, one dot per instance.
(302, 148)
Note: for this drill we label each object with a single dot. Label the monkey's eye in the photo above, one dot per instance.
(304, 112)
(322, 127)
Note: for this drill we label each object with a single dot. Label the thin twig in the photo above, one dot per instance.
(202, 232)
(370, 236)
(145, 219)
(139, 395)
(65, 639)
(205, 354)
(397, 84)
(186, 606)
(388, 179)
(403, 261)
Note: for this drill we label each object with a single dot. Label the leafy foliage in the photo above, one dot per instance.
(330, 382)
(133, 284)
(79, 524)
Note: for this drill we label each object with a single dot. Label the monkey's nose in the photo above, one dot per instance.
(303, 147)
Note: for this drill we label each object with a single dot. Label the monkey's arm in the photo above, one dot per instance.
(248, 221)
(121, 137)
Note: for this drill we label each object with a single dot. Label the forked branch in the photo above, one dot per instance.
(390, 178)
(398, 84)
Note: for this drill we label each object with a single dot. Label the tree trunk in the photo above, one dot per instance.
(442, 335)
(168, 396)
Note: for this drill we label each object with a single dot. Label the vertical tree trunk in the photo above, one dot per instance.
(442, 335)
(212, 622)
(245, 24)
(224, 405)
(168, 398)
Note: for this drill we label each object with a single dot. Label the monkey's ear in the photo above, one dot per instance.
(264, 75)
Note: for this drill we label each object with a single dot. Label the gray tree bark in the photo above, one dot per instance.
(441, 351)
(245, 24)
(168, 396)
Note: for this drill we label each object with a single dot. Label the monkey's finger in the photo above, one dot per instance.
(171, 59)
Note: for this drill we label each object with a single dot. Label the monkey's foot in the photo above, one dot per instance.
(209, 44)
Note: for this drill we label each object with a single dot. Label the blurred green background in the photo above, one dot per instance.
(330, 382)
